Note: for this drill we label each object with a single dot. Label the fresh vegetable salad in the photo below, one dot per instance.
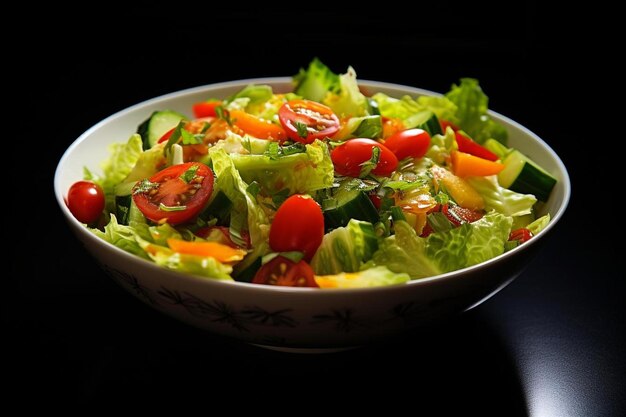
(326, 186)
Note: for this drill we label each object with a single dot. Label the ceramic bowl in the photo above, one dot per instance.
(295, 318)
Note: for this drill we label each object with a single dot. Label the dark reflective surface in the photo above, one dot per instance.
(550, 344)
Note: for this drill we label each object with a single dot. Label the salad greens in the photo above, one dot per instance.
(268, 187)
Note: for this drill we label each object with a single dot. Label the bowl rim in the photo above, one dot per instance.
(59, 195)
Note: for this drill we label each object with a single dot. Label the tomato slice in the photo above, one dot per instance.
(298, 226)
(305, 120)
(522, 234)
(411, 143)
(286, 273)
(206, 108)
(467, 145)
(349, 158)
(85, 199)
(176, 194)
(459, 215)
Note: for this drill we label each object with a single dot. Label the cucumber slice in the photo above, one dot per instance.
(348, 204)
(425, 120)
(497, 148)
(522, 175)
(158, 124)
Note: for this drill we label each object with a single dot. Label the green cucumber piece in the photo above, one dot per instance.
(348, 204)
(158, 124)
(522, 175)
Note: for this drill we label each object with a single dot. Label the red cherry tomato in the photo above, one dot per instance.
(85, 200)
(522, 234)
(411, 143)
(284, 272)
(349, 157)
(298, 226)
(304, 120)
(467, 145)
(176, 194)
(459, 215)
(206, 109)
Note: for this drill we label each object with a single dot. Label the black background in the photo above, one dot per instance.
(549, 344)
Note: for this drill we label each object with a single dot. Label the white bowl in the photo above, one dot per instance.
(288, 318)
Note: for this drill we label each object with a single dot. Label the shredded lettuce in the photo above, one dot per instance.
(443, 251)
(349, 101)
(374, 277)
(441, 146)
(501, 199)
(414, 112)
(316, 81)
(254, 93)
(472, 114)
(345, 249)
(539, 224)
(469, 244)
(303, 173)
(246, 213)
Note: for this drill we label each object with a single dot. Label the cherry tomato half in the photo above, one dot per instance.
(522, 234)
(349, 157)
(411, 143)
(459, 215)
(298, 226)
(304, 120)
(284, 272)
(85, 199)
(176, 194)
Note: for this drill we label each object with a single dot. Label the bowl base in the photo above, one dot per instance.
(304, 350)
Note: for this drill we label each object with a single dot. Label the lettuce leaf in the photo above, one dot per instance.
(404, 252)
(441, 146)
(345, 249)
(469, 244)
(471, 112)
(316, 81)
(122, 159)
(539, 224)
(349, 101)
(444, 251)
(299, 173)
(246, 213)
(374, 277)
(150, 242)
(502, 199)
(411, 111)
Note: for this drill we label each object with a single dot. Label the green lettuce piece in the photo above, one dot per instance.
(149, 163)
(299, 173)
(349, 101)
(404, 252)
(361, 127)
(539, 224)
(469, 244)
(502, 199)
(414, 112)
(443, 108)
(472, 115)
(316, 81)
(191, 264)
(441, 146)
(124, 237)
(374, 277)
(443, 251)
(254, 93)
(246, 213)
(345, 249)
(122, 159)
